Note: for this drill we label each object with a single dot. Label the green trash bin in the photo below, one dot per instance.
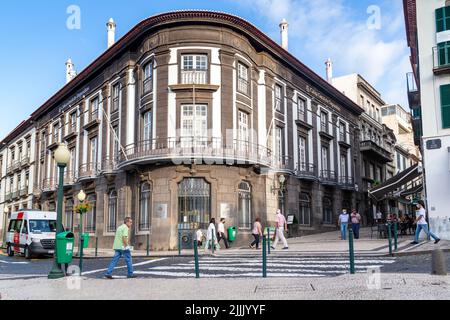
(231, 234)
(85, 240)
(64, 247)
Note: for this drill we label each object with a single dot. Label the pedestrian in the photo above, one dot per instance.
(422, 224)
(280, 227)
(122, 249)
(356, 223)
(257, 233)
(211, 239)
(199, 237)
(379, 216)
(221, 233)
(343, 223)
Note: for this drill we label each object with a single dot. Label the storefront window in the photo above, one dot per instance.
(194, 204)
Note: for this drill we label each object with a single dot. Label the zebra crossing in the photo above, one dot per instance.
(245, 266)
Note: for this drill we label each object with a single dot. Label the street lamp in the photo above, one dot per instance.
(62, 158)
(5, 211)
(82, 209)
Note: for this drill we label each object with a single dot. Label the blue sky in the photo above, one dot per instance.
(36, 42)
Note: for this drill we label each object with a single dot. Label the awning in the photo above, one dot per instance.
(396, 182)
(412, 190)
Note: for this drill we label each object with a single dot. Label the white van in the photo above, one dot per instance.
(31, 233)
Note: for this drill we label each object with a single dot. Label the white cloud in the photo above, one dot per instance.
(329, 28)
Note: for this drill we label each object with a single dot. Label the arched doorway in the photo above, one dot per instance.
(194, 208)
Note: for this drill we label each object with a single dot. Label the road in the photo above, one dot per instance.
(229, 266)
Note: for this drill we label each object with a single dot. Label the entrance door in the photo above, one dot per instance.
(194, 208)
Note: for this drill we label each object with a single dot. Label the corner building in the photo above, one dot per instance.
(193, 115)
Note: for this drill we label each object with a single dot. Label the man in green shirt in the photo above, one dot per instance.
(122, 248)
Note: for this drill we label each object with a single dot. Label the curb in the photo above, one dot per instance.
(416, 253)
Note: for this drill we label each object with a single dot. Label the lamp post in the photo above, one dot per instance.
(282, 180)
(62, 157)
(5, 211)
(81, 198)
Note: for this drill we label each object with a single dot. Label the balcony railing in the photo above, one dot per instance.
(198, 148)
(49, 185)
(441, 59)
(109, 165)
(25, 161)
(306, 170)
(88, 171)
(193, 77)
(346, 181)
(328, 176)
(8, 197)
(69, 178)
(413, 92)
(24, 191)
(15, 194)
(375, 151)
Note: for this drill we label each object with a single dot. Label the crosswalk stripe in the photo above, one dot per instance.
(227, 267)
(218, 261)
(236, 275)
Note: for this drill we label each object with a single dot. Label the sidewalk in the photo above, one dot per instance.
(318, 244)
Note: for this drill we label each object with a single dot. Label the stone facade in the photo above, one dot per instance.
(253, 112)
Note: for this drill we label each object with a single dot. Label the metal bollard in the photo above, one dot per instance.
(351, 250)
(179, 242)
(438, 265)
(197, 269)
(389, 238)
(148, 245)
(212, 241)
(395, 236)
(96, 246)
(264, 258)
(268, 240)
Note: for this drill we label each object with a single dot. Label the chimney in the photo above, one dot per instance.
(329, 65)
(284, 34)
(70, 71)
(111, 25)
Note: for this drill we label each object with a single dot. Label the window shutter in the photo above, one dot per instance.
(445, 106)
(440, 20)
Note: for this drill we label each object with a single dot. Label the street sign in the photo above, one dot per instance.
(290, 219)
(434, 144)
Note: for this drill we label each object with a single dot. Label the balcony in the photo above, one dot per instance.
(15, 195)
(324, 132)
(413, 92)
(92, 121)
(306, 171)
(71, 132)
(441, 59)
(346, 182)
(25, 162)
(88, 171)
(49, 185)
(69, 178)
(187, 149)
(343, 141)
(8, 197)
(328, 177)
(23, 192)
(194, 76)
(373, 150)
(16, 166)
(109, 166)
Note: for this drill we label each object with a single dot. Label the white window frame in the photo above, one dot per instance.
(197, 131)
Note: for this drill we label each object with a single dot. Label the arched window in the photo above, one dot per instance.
(244, 206)
(68, 216)
(90, 216)
(327, 210)
(112, 211)
(304, 205)
(145, 206)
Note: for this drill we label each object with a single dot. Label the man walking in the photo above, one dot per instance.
(221, 233)
(343, 223)
(122, 248)
(422, 224)
(356, 223)
(281, 226)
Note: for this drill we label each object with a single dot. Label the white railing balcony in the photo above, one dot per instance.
(193, 77)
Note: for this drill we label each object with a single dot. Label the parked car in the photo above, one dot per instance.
(31, 233)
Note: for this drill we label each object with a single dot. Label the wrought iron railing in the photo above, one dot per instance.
(306, 169)
(328, 175)
(88, 170)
